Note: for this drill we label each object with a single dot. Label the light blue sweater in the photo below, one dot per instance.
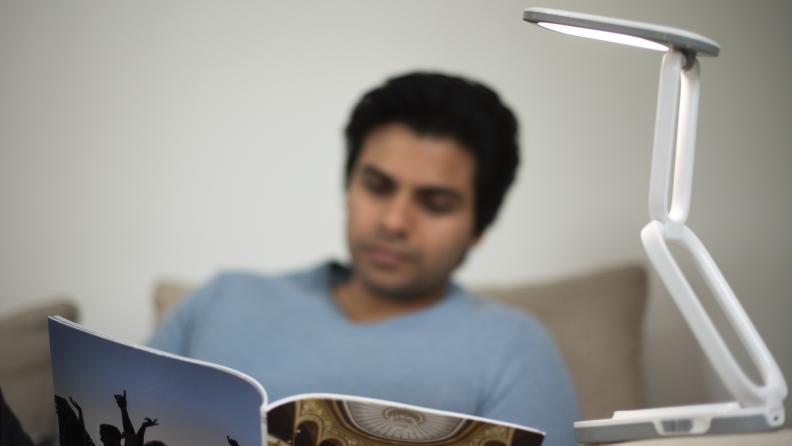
(461, 354)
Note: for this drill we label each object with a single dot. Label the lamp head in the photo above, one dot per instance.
(644, 35)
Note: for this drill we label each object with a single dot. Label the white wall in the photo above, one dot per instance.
(141, 140)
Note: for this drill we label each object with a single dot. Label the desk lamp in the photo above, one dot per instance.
(756, 407)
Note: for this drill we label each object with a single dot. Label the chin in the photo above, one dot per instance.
(395, 289)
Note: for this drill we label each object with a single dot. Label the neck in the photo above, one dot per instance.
(361, 305)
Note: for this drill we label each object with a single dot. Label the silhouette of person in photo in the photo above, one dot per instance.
(109, 435)
(73, 431)
(132, 438)
(66, 416)
(142, 431)
(231, 441)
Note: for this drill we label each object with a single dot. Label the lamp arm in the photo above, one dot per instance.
(747, 393)
(665, 131)
(685, 148)
(774, 384)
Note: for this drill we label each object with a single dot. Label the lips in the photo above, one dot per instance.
(387, 257)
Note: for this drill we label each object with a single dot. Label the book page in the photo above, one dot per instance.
(334, 420)
(108, 392)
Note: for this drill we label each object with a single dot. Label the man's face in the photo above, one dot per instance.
(411, 211)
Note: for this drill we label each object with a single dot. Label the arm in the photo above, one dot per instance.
(142, 431)
(79, 410)
(122, 404)
(84, 437)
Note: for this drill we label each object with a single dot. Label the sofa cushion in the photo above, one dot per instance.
(166, 296)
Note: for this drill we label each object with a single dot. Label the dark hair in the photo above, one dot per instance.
(441, 105)
(112, 430)
(155, 443)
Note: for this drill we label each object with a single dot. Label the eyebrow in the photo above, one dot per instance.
(423, 190)
(373, 170)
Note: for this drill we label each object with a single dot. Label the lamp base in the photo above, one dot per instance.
(705, 419)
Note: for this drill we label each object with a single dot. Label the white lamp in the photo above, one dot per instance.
(757, 407)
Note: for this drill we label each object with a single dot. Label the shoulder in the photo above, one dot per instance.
(230, 298)
(316, 278)
(313, 278)
(489, 315)
(243, 285)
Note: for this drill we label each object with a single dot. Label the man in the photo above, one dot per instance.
(429, 160)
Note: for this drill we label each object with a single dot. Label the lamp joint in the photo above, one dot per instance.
(690, 59)
(672, 230)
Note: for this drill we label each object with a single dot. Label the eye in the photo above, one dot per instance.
(377, 184)
(439, 203)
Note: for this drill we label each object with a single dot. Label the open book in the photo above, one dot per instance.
(116, 393)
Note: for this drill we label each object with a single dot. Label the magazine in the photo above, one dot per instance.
(116, 393)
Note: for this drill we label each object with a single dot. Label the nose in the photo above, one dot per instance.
(397, 216)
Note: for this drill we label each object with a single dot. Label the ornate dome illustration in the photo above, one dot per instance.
(400, 424)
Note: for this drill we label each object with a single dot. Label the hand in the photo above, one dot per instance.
(121, 400)
(149, 423)
(231, 441)
(75, 404)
